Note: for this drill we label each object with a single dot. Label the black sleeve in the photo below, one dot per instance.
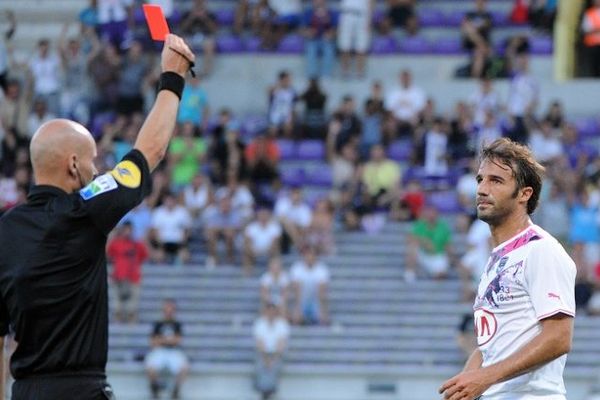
(112, 195)
(157, 329)
(177, 328)
(4, 318)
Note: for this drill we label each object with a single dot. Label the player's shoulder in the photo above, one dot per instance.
(546, 246)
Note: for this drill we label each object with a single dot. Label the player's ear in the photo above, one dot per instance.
(526, 193)
(73, 162)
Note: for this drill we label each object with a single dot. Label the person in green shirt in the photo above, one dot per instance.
(186, 153)
(428, 246)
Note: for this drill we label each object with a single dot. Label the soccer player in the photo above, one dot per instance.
(525, 304)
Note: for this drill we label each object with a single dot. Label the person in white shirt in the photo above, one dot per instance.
(271, 334)
(522, 99)
(261, 238)
(310, 278)
(295, 216)
(483, 100)
(544, 143)
(405, 103)
(525, 303)
(45, 69)
(473, 261)
(466, 187)
(436, 149)
(221, 221)
(275, 285)
(170, 231)
(354, 34)
(282, 98)
(197, 195)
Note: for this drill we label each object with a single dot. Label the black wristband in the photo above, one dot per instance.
(171, 81)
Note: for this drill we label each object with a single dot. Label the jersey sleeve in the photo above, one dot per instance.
(112, 195)
(550, 279)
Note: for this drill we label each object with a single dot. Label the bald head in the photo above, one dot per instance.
(62, 155)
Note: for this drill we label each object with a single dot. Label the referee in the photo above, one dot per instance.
(53, 283)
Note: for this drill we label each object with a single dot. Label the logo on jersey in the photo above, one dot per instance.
(486, 326)
(102, 184)
(127, 174)
(499, 289)
(553, 296)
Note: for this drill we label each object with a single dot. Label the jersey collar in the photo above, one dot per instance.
(43, 191)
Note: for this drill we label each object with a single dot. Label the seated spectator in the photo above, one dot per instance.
(186, 153)
(553, 212)
(381, 177)
(314, 124)
(127, 256)
(372, 132)
(271, 333)
(405, 103)
(345, 125)
(428, 246)
(14, 110)
(354, 34)
(542, 14)
(262, 158)
(282, 98)
(193, 107)
(261, 238)
(544, 144)
(249, 15)
(376, 97)
(115, 21)
(287, 16)
(170, 232)
(199, 26)
(473, 262)
(343, 165)
(310, 279)
(590, 25)
(436, 149)
(489, 131)
(400, 14)
(166, 351)
(460, 134)
(319, 29)
(466, 188)
(584, 233)
(295, 216)
(476, 30)
(275, 286)
(227, 152)
(140, 219)
(38, 116)
(241, 197)
(222, 221)
(555, 115)
(320, 232)
(484, 99)
(197, 195)
(408, 206)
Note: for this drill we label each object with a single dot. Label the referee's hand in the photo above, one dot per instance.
(176, 55)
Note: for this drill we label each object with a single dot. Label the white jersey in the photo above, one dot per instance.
(527, 278)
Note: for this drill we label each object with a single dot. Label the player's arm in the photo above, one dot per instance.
(155, 134)
(2, 367)
(474, 362)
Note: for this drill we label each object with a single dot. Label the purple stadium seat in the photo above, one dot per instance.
(252, 44)
(311, 150)
(99, 121)
(445, 201)
(225, 16)
(321, 176)
(413, 173)
(449, 45)
(500, 18)
(291, 44)
(292, 176)
(541, 45)
(229, 44)
(429, 17)
(587, 127)
(253, 124)
(378, 16)
(287, 149)
(400, 150)
(383, 45)
(454, 18)
(414, 45)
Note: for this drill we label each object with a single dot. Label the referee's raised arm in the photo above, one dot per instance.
(156, 132)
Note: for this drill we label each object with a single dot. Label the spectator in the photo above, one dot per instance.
(466, 187)
(133, 71)
(542, 14)
(115, 21)
(170, 232)
(354, 33)
(166, 351)
(436, 149)
(372, 133)
(345, 125)
(474, 260)
(342, 167)
(7, 35)
(45, 69)
(262, 158)
(197, 195)
(103, 68)
(186, 153)
(483, 100)
(555, 115)
(377, 97)
(264, 19)
(405, 103)
(400, 14)
(319, 30)
(287, 17)
(476, 29)
(381, 177)
(522, 99)
(241, 197)
(584, 233)
(275, 286)
(466, 339)
(248, 15)
(408, 206)
(544, 144)
(591, 37)
(227, 155)
(428, 246)
(282, 97)
(140, 219)
(460, 135)
(576, 155)
(127, 256)
(271, 333)
(310, 278)
(193, 107)
(320, 231)
(489, 131)
(261, 238)
(553, 213)
(314, 110)
(15, 107)
(295, 216)
(38, 116)
(221, 221)
(199, 26)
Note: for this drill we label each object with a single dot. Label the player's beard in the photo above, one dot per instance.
(497, 212)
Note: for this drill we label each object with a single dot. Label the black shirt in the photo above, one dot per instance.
(166, 328)
(53, 278)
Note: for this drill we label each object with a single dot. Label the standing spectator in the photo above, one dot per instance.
(476, 29)
(133, 71)
(354, 32)
(262, 158)
(377, 97)
(271, 333)
(115, 20)
(310, 279)
(194, 104)
(295, 216)
(460, 134)
(544, 144)
(38, 116)
(319, 29)
(186, 153)
(483, 100)
(436, 149)
(282, 97)
(170, 232)
(227, 154)
(314, 110)
(428, 246)
(405, 103)
(199, 26)
(522, 99)
(166, 351)
(127, 255)
(197, 195)
(15, 107)
(275, 286)
(591, 37)
(45, 68)
(400, 14)
(103, 68)
(261, 238)
(221, 221)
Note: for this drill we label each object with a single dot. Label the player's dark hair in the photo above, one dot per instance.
(525, 169)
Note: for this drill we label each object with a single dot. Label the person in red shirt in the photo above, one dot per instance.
(262, 156)
(127, 256)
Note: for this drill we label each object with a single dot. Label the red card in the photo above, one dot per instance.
(157, 22)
